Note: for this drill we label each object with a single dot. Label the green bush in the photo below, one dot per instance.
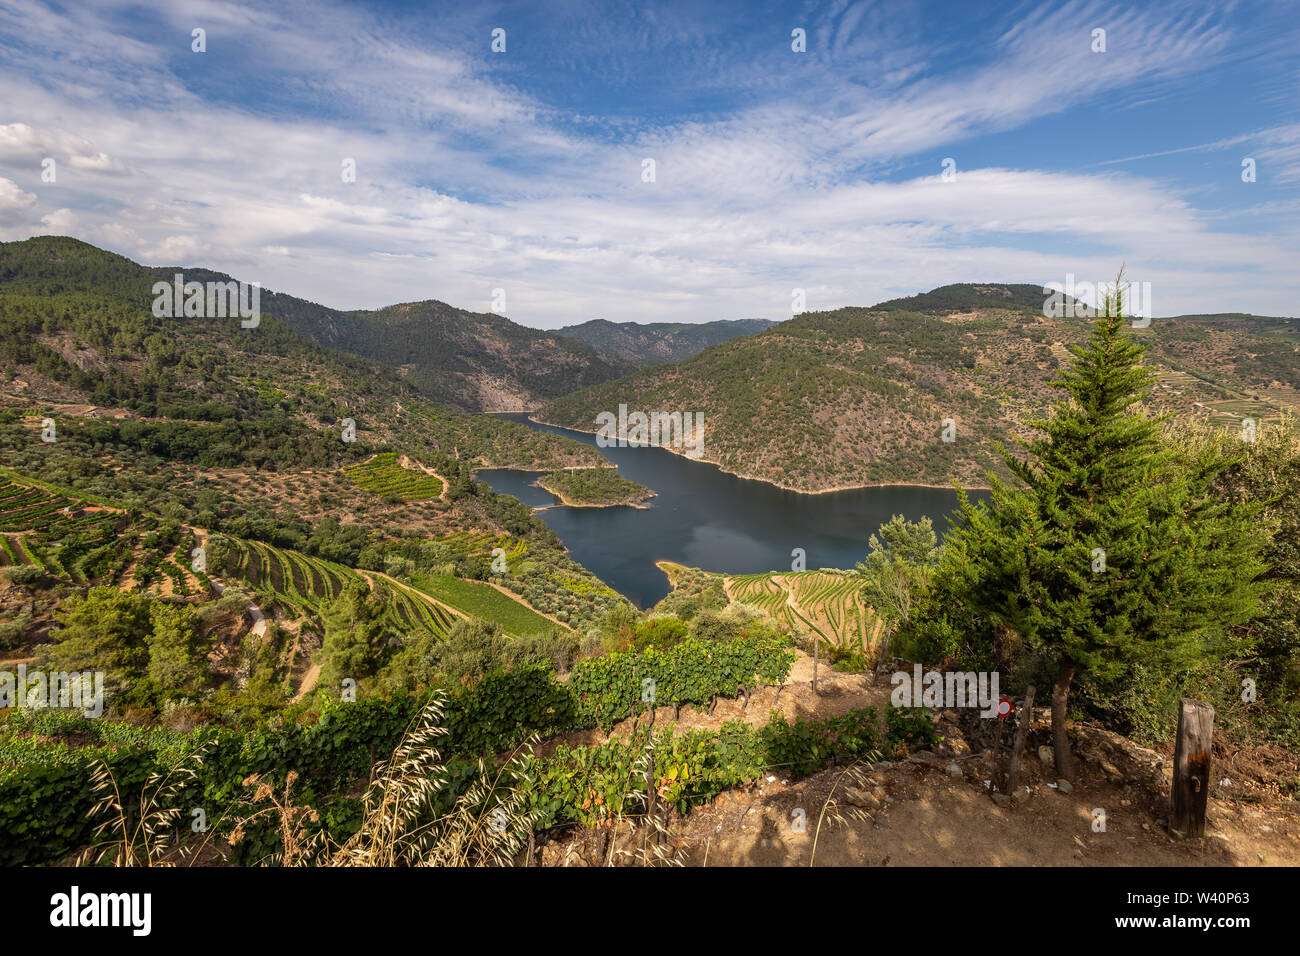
(557, 648)
(660, 632)
(611, 688)
(25, 575)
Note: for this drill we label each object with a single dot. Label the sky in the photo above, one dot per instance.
(664, 161)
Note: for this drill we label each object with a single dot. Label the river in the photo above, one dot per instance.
(707, 519)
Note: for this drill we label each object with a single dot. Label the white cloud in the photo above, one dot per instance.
(745, 205)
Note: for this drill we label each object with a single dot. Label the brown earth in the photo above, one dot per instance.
(935, 809)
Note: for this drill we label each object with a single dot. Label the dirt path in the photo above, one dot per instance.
(308, 684)
(255, 612)
(916, 814)
(934, 809)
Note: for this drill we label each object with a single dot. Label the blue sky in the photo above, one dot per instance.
(774, 169)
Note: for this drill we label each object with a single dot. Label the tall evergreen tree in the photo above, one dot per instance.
(1115, 553)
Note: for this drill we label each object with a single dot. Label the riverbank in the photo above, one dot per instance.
(776, 484)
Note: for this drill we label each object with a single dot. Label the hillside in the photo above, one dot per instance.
(653, 343)
(465, 360)
(859, 396)
(76, 328)
(183, 431)
(469, 360)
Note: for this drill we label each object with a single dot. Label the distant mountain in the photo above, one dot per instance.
(859, 396)
(471, 360)
(656, 342)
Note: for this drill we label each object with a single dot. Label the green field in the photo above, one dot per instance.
(482, 600)
(384, 476)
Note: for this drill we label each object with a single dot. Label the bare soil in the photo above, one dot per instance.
(936, 809)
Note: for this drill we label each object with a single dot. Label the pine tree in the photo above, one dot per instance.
(177, 650)
(355, 631)
(1115, 552)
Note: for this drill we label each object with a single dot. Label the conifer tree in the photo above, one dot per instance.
(355, 631)
(1115, 552)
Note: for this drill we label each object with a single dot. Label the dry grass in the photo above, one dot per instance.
(145, 836)
(409, 818)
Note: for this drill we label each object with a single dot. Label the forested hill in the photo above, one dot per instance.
(76, 328)
(969, 297)
(859, 396)
(655, 342)
(467, 360)
(470, 360)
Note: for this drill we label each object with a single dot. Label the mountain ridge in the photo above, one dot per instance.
(857, 397)
(649, 343)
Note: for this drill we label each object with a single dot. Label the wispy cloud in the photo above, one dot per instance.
(475, 172)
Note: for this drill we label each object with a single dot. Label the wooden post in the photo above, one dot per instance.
(999, 777)
(1022, 732)
(1191, 789)
(651, 792)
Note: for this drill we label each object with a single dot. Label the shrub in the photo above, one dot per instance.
(25, 575)
(660, 632)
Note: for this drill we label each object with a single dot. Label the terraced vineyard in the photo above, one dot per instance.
(384, 476)
(478, 599)
(89, 544)
(303, 585)
(822, 602)
(93, 544)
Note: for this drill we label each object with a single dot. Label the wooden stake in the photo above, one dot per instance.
(999, 775)
(1022, 732)
(1191, 790)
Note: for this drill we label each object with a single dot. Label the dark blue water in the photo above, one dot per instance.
(707, 519)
